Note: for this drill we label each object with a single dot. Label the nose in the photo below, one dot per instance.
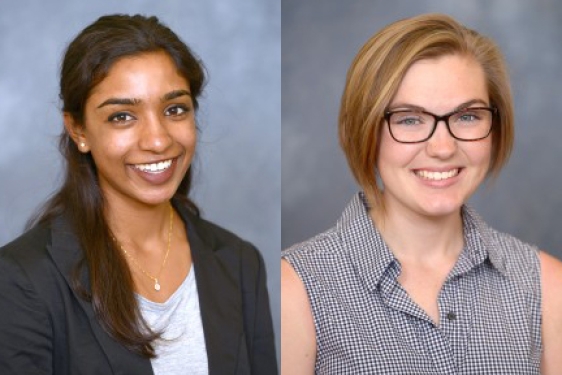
(441, 144)
(154, 135)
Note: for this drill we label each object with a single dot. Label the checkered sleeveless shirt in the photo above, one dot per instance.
(490, 304)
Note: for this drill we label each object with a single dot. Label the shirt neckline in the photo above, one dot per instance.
(175, 295)
(373, 259)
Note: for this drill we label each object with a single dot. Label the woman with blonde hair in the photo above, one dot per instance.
(411, 280)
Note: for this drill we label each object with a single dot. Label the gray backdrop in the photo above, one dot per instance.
(320, 39)
(238, 181)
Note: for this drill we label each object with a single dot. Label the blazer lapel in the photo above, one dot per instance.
(219, 298)
(66, 252)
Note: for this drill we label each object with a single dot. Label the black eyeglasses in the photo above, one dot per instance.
(416, 126)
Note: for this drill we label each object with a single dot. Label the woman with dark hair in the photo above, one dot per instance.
(119, 273)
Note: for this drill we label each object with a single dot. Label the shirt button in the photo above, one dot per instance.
(451, 315)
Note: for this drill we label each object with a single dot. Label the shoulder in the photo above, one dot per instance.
(209, 240)
(298, 333)
(513, 252)
(551, 270)
(551, 280)
(317, 258)
(27, 249)
(212, 236)
(26, 327)
(508, 241)
(500, 243)
(294, 298)
(41, 262)
(476, 228)
(216, 235)
(24, 266)
(551, 283)
(353, 229)
(222, 241)
(325, 243)
(515, 258)
(551, 277)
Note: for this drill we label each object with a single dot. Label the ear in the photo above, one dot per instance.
(76, 132)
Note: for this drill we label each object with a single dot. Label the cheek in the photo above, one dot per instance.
(187, 136)
(193, 138)
(480, 154)
(394, 154)
(110, 145)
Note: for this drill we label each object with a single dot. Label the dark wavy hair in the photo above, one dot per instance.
(86, 63)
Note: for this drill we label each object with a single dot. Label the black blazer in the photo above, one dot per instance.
(45, 328)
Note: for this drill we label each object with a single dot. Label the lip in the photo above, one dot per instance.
(153, 177)
(446, 181)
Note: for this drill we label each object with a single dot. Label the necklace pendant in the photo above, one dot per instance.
(156, 285)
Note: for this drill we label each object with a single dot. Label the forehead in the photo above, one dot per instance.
(441, 84)
(141, 75)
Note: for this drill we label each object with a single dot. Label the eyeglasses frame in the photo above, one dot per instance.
(445, 119)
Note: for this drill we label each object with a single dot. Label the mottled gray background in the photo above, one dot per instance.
(238, 179)
(319, 41)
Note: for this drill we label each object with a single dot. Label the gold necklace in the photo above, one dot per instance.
(154, 278)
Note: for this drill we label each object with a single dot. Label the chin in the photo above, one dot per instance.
(156, 199)
(441, 208)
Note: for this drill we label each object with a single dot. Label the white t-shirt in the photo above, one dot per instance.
(182, 347)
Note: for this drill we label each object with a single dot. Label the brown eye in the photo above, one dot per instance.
(176, 110)
(120, 117)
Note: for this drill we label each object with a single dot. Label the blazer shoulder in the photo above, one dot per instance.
(26, 327)
(30, 246)
(237, 255)
(218, 237)
(28, 262)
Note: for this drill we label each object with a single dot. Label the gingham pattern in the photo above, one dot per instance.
(490, 304)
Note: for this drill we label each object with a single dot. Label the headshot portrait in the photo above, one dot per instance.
(415, 240)
(142, 229)
(319, 44)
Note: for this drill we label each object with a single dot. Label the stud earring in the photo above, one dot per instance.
(82, 145)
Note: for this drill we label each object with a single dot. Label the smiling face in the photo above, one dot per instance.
(140, 129)
(434, 178)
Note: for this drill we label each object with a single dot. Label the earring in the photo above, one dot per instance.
(82, 145)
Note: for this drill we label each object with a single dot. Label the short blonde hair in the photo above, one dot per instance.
(378, 69)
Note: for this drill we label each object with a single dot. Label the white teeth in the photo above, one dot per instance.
(437, 176)
(154, 167)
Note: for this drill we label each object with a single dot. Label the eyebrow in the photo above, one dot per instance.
(175, 94)
(119, 101)
(419, 108)
(133, 101)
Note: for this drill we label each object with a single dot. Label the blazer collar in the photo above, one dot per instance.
(219, 295)
(66, 253)
(219, 298)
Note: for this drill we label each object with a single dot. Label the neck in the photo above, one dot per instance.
(416, 238)
(140, 227)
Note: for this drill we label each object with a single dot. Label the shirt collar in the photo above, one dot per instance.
(480, 243)
(373, 259)
(367, 250)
